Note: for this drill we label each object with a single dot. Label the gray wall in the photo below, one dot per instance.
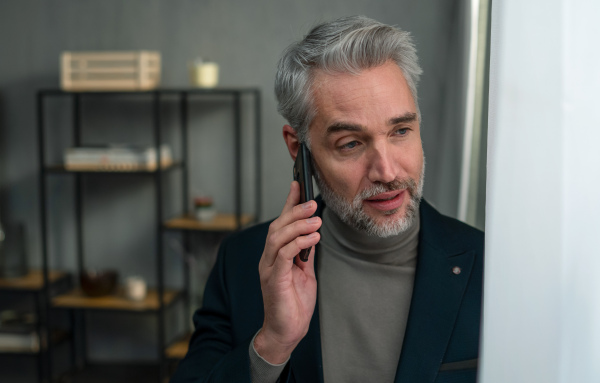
(246, 39)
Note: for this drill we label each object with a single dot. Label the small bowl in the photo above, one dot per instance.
(98, 283)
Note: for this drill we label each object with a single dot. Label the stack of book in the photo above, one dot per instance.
(116, 158)
(17, 332)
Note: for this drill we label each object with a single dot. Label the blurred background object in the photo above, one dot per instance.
(17, 331)
(204, 73)
(2, 235)
(99, 283)
(135, 288)
(106, 71)
(117, 157)
(204, 208)
(473, 173)
(13, 251)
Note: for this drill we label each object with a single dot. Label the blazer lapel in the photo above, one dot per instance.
(442, 274)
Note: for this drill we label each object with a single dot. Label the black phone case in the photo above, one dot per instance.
(303, 174)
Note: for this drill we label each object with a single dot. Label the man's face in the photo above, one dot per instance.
(366, 147)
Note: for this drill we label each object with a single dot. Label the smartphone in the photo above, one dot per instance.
(303, 174)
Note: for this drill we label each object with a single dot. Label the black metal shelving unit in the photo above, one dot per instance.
(163, 298)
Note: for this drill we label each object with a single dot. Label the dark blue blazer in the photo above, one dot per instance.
(441, 342)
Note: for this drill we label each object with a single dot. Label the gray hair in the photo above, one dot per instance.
(346, 45)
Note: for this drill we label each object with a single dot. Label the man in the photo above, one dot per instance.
(392, 292)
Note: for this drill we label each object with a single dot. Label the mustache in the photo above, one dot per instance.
(381, 187)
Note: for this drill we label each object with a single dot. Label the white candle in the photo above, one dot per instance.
(205, 75)
(135, 288)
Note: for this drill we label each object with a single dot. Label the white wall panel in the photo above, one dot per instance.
(542, 305)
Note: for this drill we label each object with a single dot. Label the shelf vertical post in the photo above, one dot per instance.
(159, 239)
(185, 198)
(38, 327)
(184, 150)
(78, 185)
(257, 124)
(72, 350)
(79, 232)
(237, 158)
(44, 319)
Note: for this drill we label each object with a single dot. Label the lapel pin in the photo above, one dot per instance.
(456, 270)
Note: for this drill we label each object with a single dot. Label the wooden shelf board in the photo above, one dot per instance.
(221, 222)
(178, 349)
(34, 280)
(78, 300)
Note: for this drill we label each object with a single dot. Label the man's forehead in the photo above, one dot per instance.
(377, 97)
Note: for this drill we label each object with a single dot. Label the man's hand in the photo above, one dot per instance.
(289, 289)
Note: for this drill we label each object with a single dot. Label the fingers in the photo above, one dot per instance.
(290, 239)
(286, 254)
(296, 213)
(292, 225)
(293, 197)
(292, 211)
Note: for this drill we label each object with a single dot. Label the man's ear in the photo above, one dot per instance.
(291, 140)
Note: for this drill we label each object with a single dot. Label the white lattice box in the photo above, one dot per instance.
(110, 71)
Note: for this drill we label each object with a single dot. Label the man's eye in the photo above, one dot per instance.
(349, 145)
(402, 132)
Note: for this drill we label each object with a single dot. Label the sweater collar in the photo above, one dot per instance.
(344, 239)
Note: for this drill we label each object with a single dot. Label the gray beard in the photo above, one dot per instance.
(353, 214)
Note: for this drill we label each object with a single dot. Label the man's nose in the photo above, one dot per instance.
(382, 164)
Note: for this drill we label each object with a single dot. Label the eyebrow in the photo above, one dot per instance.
(406, 117)
(344, 126)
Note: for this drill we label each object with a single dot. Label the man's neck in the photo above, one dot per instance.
(395, 250)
